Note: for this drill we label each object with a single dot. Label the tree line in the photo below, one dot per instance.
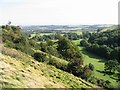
(106, 45)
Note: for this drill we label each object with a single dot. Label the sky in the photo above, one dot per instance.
(58, 12)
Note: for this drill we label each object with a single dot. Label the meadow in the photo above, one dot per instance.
(98, 63)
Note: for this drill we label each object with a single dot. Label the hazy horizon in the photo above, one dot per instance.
(59, 12)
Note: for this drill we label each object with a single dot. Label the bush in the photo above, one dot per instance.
(74, 67)
(57, 63)
(111, 65)
(92, 79)
(91, 66)
(100, 82)
(51, 50)
(39, 57)
(87, 72)
(9, 44)
(84, 43)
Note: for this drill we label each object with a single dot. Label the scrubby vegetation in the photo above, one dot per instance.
(105, 45)
(60, 52)
(22, 71)
(13, 38)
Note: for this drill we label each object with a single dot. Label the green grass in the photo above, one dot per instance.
(33, 35)
(76, 42)
(78, 32)
(41, 34)
(98, 64)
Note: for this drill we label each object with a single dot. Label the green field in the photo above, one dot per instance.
(40, 34)
(98, 64)
(78, 32)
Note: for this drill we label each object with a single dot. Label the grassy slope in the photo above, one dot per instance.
(109, 28)
(98, 64)
(20, 70)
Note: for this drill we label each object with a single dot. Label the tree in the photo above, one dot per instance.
(32, 43)
(87, 72)
(115, 54)
(43, 46)
(68, 50)
(58, 36)
(111, 65)
(91, 66)
(63, 47)
(84, 43)
(118, 69)
(86, 34)
(39, 57)
(50, 42)
(72, 36)
(105, 51)
(98, 30)
(94, 48)
(51, 50)
(74, 67)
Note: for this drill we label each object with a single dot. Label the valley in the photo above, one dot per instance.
(60, 56)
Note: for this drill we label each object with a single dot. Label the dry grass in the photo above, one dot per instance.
(20, 70)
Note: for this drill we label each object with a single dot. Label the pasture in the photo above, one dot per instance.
(98, 63)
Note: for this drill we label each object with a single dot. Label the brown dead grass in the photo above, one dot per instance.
(15, 74)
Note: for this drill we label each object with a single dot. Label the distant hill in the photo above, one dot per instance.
(66, 27)
(113, 27)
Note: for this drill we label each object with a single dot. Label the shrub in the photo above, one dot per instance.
(57, 63)
(84, 43)
(74, 67)
(91, 66)
(39, 56)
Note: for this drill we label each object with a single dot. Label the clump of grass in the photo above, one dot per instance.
(48, 86)
(5, 84)
(18, 77)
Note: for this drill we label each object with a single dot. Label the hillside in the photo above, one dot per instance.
(19, 70)
(112, 27)
(48, 64)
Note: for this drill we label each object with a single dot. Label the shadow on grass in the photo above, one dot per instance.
(102, 61)
(92, 55)
(106, 73)
(114, 78)
(111, 74)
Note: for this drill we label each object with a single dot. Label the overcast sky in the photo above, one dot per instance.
(71, 12)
